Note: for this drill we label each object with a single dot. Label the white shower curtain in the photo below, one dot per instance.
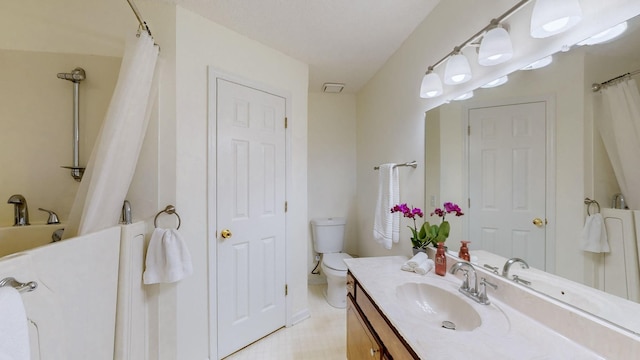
(619, 126)
(112, 163)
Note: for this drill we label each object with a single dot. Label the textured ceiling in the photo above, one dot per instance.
(342, 40)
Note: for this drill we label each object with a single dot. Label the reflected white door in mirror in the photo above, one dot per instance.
(506, 156)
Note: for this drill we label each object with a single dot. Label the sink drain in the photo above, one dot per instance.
(448, 325)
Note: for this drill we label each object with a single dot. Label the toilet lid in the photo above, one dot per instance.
(336, 261)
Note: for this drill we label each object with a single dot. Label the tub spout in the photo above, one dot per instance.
(21, 211)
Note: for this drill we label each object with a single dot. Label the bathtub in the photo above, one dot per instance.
(71, 312)
(15, 239)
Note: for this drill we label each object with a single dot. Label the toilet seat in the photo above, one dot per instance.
(335, 261)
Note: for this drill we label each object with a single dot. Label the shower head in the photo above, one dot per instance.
(76, 75)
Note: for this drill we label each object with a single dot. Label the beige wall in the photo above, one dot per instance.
(200, 45)
(332, 165)
(36, 126)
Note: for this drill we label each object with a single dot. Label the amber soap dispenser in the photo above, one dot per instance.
(441, 260)
(464, 251)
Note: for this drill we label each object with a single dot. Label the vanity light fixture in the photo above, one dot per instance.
(495, 47)
(465, 96)
(496, 82)
(457, 70)
(551, 17)
(606, 35)
(431, 85)
(539, 63)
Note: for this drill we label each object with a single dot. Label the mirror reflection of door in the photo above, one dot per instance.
(507, 180)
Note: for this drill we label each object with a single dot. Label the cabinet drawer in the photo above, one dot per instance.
(395, 346)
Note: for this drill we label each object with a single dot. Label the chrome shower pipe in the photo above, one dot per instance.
(76, 75)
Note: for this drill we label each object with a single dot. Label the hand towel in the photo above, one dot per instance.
(594, 235)
(14, 331)
(168, 258)
(404, 267)
(424, 267)
(386, 225)
(417, 259)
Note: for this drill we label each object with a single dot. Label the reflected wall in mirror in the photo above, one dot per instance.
(575, 163)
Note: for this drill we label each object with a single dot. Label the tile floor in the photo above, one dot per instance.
(321, 337)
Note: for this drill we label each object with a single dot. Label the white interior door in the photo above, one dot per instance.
(507, 187)
(250, 190)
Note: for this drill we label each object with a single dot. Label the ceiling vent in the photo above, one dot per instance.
(333, 88)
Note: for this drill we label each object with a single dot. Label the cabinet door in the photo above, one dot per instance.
(361, 343)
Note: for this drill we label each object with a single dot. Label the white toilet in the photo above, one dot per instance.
(328, 239)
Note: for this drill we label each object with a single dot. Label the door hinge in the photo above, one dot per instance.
(468, 203)
(286, 289)
(286, 206)
(286, 122)
(469, 130)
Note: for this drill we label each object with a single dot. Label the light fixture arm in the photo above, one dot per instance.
(494, 22)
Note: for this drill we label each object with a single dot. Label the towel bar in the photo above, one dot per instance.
(413, 164)
(171, 210)
(10, 281)
(590, 202)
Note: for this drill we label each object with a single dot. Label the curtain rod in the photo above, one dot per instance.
(143, 24)
(596, 87)
(413, 164)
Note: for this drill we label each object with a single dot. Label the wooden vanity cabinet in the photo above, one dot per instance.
(369, 333)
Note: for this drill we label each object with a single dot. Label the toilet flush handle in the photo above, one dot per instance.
(226, 233)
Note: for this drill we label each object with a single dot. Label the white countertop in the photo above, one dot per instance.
(504, 333)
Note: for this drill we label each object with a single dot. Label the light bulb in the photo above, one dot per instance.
(431, 85)
(551, 17)
(495, 47)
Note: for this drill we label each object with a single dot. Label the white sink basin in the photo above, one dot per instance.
(438, 307)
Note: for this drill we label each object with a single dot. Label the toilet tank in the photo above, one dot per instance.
(328, 234)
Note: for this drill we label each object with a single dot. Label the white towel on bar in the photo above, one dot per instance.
(386, 225)
(168, 258)
(14, 331)
(594, 235)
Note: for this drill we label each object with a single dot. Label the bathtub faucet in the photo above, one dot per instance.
(21, 212)
(618, 201)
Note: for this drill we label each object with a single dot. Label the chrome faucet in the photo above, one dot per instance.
(53, 217)
(482, 293)
(618, 201)
(21, 212)
(465, 288)
(507, 266)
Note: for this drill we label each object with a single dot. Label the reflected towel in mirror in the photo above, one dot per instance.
(594, 235)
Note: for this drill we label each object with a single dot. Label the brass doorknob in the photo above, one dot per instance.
(538, 222)
(226, 233)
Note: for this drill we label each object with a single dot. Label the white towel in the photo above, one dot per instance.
(424, 267)
(594, 235)
(386, 225)
(168, 258)
(14, 332)
(417, 259)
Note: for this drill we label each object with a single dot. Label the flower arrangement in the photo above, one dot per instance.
(428, 234)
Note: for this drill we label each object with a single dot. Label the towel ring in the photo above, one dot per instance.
(590, 202)
(171, 210)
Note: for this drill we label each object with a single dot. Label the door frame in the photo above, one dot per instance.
(213, 75)
(550, 178)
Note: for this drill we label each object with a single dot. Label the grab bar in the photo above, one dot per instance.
(10, 281)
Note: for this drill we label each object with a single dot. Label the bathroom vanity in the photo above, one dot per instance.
(403, 315)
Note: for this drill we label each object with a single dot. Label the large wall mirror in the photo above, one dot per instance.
(571, 161)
